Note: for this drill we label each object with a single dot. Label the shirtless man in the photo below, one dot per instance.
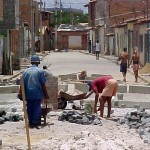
(136, 62)
(124, 58)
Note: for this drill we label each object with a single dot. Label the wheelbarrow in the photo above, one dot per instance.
(63, 97)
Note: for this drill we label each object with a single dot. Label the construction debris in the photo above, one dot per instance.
(139, 120)
(10, 116)
(79, 118)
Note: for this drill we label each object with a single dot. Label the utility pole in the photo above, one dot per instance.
(32, 29)
(104, 26)
(147, 3)
(41, 36)
(56, 3)
(60, 12)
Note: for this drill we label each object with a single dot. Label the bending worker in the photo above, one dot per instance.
(35, 91)
(108, 87)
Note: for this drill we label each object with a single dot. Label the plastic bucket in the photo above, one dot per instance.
(120, 96)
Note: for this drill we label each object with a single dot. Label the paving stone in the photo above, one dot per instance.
(2, 113)
(134, 113)
(85, 120)
(62, 117)
(123, 106)
(14, 109)
(79, 118)
(116, 103)
(141, 133)
(142, 110)
(2, 120)
(137, 107)
(122, 121)
(0, 142)
(97, 122)
(79, 121)
(135, 119)
(146, 116)
(145, 141)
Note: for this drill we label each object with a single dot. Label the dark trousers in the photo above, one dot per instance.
(34, 111)
(97, 54)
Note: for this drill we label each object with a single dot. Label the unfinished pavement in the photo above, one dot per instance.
(131, 91)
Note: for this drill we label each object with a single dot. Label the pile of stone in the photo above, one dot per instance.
(139, 120)
(79, 118)
(10, 116)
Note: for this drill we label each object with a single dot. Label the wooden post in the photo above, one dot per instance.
(25, 113)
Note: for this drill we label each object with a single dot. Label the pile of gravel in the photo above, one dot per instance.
(139, 120)
(79, 118)
(10, 116)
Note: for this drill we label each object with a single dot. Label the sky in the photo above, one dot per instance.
(78, 4)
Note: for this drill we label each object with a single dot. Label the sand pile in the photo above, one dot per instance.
(145, 69)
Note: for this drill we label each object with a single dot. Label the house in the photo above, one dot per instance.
(8, 21)
(72, 37)
(91, 20)
(26, 39)
(120, 24)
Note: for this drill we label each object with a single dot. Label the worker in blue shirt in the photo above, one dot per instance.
(35, 91)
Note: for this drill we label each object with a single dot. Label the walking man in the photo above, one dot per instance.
(107, 86)
(35, 91)
(124, 58)
(97, 49)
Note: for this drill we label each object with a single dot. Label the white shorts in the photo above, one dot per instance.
(110, 88)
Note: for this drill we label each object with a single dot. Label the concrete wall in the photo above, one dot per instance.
(72, 40)
(75, 42)
(52, 89)
(142, 31)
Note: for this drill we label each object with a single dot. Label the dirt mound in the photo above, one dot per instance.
(145, 69)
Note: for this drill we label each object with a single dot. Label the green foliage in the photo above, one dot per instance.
(70, 18)
(89, 108)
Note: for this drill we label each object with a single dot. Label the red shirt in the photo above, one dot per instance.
(100, 83)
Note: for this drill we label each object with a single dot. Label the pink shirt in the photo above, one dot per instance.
(100, 83)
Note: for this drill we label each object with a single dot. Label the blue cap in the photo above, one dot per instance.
(89, 84)
(35, 58)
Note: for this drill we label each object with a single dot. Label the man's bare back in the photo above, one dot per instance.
(124, 57)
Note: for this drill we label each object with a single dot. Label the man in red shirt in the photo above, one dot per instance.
(108, 87)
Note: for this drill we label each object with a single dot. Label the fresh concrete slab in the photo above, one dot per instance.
(9, 89)
(63, 87)
(139, 89)
(82, 87)
(122, 88)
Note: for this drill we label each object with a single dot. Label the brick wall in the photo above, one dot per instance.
(8, 21)
(1, 10)
(130, 9)
(25, 13)
(14, 42)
